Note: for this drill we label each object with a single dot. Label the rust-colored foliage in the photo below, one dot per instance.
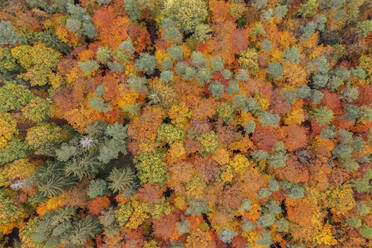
(150, 193)
(300, 211)
(294, 172)
(165, 227)
(205, 109)
(252, 181)
(264, 138)
(111, 27)
(294, 137)
(96, 205)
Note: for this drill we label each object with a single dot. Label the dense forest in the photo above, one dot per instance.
(186, 123)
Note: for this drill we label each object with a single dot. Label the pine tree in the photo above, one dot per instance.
(51, 179)
(97, 187)
(123, 180)
(146, 63)
(7, 34)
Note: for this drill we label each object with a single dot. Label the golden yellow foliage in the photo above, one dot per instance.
(21, 169)
(239, 163)
(51, 204)
(8, 129)
(221, 156)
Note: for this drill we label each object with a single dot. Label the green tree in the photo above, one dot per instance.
(202, 32)
(96, 188)
(51, 179)
(323, 115)
(133, 10)
(308, 7)
(10, 212)
(216, 89)
(175, 52)
(225, 111)
(187, 14)
(123, 179)
(65, 152)
(365, 28)
(291, 54)
(60, 228)
(146, 63)
(98, 103)
(50, 6)
(8, 63)
(88, 67)
(14, 97)
(79, 21)
(269, 119)
(37, 110)
(275, 69)
(7, 34)
(50, 39)
(44, 134)
(198, 59)
(114, 143)
(14, 150)
(104, 54)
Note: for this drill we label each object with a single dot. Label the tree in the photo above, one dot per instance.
(111, 28)
(146, 63)
(169, 134)
(133, 10)
(37, 110)
(96, 188)
(307, 7)
(98, 204)
(249, 59)
(14, 97)
(14, 150)
(323, 115)
(43, 134)
(18, 169)
(198, 59)
(12, 215)
(216, 89)
(294, 137)
(209, 142)
(50, 6)
(7, 34)
(8, 63)
(151, 168)
(79, 21)
(269, 119)
(300, 211)
(8, 129)
(185, 123)
(39, 61)
(198, 238)
(365, 28)
(165, 226)
(275, 69)
(225, 111)
(292, 55)
(88, 67)
(123, 180)
(51, 179)
(186, 14)
(58, 228)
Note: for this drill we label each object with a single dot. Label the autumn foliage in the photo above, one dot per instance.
(185, 123)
